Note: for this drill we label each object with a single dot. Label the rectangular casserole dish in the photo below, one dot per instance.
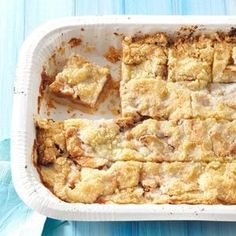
(35, 51)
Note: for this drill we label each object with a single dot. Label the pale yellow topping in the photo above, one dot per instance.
(136, 182)
(80, 81)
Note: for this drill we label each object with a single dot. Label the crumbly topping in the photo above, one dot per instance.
(97, 143)
(136, 50)
(191, 60)
(80, 81)
(224, 65)
(136, 182)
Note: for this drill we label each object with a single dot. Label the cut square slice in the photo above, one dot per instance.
(191, 59)
(218, 101)
(155, 98)
(80, 81)
(209, 139)
(224, 64)
(177, 100)
(144, 57)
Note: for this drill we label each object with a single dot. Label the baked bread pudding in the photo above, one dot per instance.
(80, 81)
(175, 141)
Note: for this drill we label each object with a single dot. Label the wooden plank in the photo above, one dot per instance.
(230, 6)
(40, 11)
(98, 7)
(178, 7)
(142, 228)
(202, 7)
(149, 7)
(11, 38)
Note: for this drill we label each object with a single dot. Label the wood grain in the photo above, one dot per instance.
(11, 38)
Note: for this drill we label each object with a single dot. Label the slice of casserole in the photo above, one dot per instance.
(80, 81)
(50, 141)
(144, 57)
(191, 59)
(218, 100)
(155, 98)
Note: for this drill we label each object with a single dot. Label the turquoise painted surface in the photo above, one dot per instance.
(19, 18)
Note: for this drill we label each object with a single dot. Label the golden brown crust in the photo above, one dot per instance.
(138, 49)
(217, 101)
(156, 99)
(177, 100)
(95, 144)
(50, 141)
(136, 182)
(80, 81)
(144, 57)
(191, 60)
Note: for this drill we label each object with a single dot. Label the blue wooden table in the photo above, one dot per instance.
(19, 17)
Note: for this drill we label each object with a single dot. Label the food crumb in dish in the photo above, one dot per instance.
(113, 54)
(74, 42)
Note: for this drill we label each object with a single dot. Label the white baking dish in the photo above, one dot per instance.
(98, 31)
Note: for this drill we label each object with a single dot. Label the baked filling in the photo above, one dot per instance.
(80, 81)
(175, 141)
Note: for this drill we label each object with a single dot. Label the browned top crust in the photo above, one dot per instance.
(113, 54)
(80, 81)
(136, 182)
(191, 59)
(139, 49)
(103, 141)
